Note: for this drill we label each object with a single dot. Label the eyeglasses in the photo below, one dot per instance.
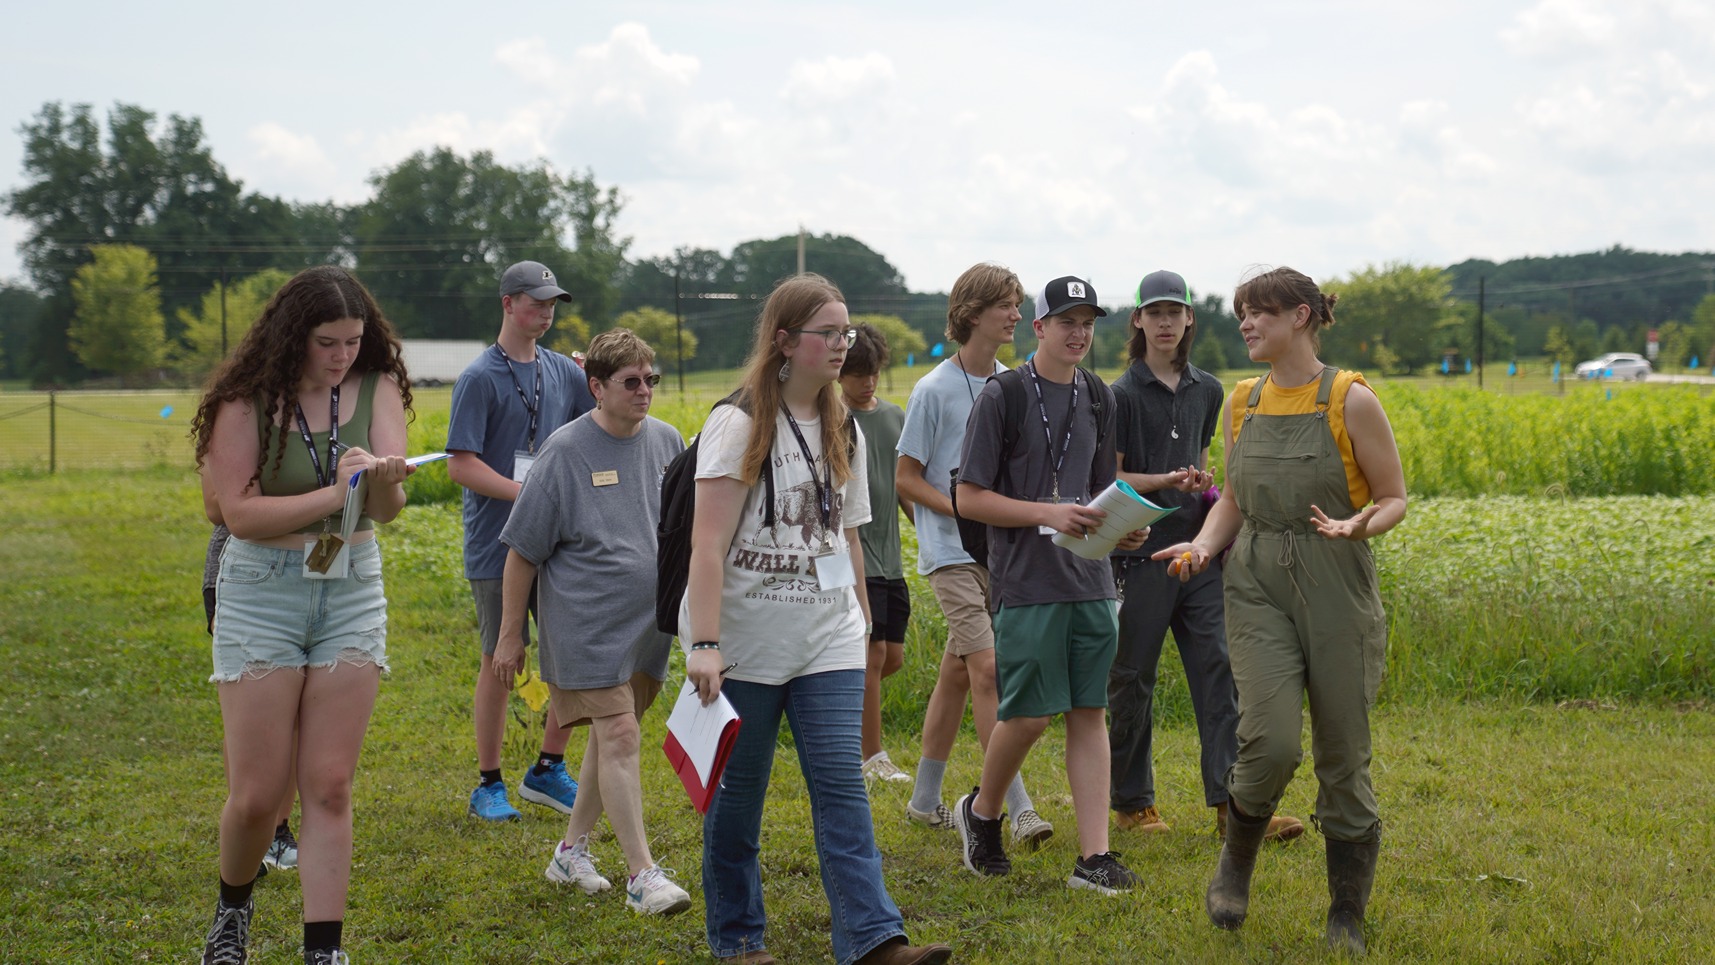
(636, 382)
(834, 336)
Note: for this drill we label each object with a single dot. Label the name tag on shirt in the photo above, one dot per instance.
(607, 478)
(834, 571)
(317, 565)
(1049, 530)
(522, 460)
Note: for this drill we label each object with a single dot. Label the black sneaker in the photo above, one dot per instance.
(984, 853)
(326, 956)
(228, 940)
(1102, 873)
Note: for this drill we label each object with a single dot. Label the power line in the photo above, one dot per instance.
(1656, 275)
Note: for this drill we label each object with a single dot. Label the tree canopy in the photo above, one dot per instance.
(433, 241)
(118, 328)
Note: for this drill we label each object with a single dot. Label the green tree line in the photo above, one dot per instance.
(118, 204)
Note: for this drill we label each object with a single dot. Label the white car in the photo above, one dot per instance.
(1615, 365)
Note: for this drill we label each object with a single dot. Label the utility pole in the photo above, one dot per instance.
(800, 249)
(1481, 282)
(223, 312)
(679, 324)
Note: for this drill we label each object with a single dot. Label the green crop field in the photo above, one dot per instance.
(1544, 743)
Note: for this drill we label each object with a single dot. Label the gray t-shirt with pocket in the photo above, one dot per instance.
(1025, 567)
(586, 517)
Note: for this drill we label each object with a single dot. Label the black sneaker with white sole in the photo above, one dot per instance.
(228, 939)
(983, 851)
(1103, 873)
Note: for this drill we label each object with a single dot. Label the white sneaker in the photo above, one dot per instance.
(652, 892)
(941, 819)
(881, 768)
(572, 864)
(1029, 830)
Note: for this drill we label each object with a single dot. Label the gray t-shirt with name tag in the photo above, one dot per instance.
(586, 517)
(1025, 567)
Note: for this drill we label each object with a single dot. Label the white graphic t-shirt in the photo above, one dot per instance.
(777, 623)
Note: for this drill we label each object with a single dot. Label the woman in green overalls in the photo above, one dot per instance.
(1312, 473)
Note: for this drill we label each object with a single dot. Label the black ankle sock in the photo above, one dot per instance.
(322, 934)
(282, 829)
(547, 760)
(234, 896)
(490, 777)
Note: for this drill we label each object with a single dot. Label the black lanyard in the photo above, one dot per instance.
(333, 438)
(532, 407)
(824, 493)
(1049, 432)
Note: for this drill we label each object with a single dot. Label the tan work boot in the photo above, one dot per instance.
(1281, 827)
(1147, 820)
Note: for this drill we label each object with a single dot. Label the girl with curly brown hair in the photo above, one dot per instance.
(314, 394)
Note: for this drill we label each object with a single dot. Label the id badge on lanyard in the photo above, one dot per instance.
(326, 557)
(833, 568)
(522, 460)
(1049, 530)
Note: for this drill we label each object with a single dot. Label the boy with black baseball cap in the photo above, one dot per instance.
(1054, 622)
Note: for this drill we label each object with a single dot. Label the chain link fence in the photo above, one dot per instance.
(46, 432)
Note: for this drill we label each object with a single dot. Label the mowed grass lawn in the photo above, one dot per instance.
(1514, 832)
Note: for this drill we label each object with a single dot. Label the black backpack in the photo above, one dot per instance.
(678, 513)
(974, 536)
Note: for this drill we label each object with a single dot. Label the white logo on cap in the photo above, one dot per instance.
(547, 275)
(1075, 290)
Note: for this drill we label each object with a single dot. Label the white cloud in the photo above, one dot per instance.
(833, 80)
(293, 163)
(1557, 28)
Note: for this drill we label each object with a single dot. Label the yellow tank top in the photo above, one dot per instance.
(1299, 401)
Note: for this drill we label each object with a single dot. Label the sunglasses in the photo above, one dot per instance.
(637, 382)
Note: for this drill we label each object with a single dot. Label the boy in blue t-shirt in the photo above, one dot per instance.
(505, 405)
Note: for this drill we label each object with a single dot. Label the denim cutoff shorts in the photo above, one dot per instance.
(268, 617)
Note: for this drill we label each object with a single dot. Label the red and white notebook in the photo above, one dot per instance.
(699, 741)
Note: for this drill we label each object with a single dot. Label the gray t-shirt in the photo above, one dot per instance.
(586, 517)
(1025, 567)
(1147, 415)
(934, 435)
(489, 417)
(880, 536)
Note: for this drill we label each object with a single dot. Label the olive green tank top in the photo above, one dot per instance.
(297, 474)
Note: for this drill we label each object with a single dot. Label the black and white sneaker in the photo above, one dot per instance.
(228, 939)
(1102, 873)
(326, 956)
(983, 851)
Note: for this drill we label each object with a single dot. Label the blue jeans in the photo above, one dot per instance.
(825, 711)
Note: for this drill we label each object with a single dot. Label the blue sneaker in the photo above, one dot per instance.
(489, 803)
(553, 788)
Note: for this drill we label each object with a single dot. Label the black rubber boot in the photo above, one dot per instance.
(1229, 893)
(1351, 871)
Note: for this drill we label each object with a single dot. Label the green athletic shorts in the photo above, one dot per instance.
(1052, 657)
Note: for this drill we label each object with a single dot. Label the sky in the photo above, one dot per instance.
(1104, 140)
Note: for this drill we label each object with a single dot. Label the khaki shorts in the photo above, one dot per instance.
(576, 708)
(963, 591)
